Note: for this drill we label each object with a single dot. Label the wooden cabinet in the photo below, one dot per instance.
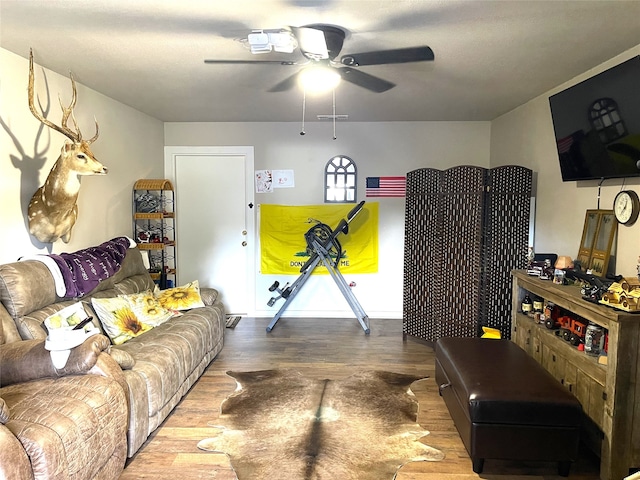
(609, 394)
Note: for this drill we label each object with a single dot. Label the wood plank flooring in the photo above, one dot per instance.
(326, 348)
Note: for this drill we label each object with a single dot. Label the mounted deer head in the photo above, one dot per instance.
(53, 210)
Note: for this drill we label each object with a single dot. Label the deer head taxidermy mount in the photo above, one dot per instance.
(53, 210)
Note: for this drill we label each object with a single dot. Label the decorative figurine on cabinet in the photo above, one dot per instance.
(547, 270)
(530, 256)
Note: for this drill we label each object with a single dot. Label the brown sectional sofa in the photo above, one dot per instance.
(136, 385)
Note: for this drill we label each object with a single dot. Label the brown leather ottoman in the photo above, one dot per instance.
(505, 405)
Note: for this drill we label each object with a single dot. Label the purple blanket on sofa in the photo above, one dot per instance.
(83, 270)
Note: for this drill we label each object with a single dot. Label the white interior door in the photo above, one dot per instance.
(215, 224)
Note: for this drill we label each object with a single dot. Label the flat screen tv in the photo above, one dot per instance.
(597, 125)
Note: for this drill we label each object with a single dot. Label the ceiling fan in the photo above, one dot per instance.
(321, 44)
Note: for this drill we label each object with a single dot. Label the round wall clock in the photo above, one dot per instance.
(626, 207)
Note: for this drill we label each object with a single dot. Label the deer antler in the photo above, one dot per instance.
(66, 111)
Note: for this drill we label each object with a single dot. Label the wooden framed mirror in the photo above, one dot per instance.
(600, 229)
(588, 237)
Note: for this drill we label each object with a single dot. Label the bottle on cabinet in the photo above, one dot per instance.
(527, 305)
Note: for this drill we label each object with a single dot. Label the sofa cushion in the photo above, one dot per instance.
(185, 297)
(25, 287)
(118, 319)
(19, 465)
(209, 295)
(166, 355)
(148, 309)
(124, 360)
(8, 330)
(134, 284)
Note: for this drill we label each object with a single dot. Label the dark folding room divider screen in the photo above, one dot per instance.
(466, 228)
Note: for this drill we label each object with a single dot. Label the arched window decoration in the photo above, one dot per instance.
(605, 119)
(340, 180)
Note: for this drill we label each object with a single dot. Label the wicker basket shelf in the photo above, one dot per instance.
(156, 245)
(153, 184)
(151, 246)
(153, 215)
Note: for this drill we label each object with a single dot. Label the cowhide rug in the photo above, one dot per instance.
(279, 424)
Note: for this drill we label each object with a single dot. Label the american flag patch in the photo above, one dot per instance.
(386, 186)
(564, 144)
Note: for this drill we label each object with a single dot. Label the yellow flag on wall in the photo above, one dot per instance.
(283, 248)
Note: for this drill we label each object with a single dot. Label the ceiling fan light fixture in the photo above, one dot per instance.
(312, 43)
(265, 41)
(259, 42)
(283, 41)
(319, 79)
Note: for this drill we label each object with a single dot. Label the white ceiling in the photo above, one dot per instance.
(490, 56)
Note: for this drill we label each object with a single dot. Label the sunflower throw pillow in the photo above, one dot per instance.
(147, 308)
(118, 320)
(181, 298)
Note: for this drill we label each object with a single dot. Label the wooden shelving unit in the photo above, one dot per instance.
(609, 394)
(154, 226)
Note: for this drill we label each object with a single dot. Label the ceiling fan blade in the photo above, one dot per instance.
(285, 85)
(358, 77)
(249, 62)
(383, 57)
